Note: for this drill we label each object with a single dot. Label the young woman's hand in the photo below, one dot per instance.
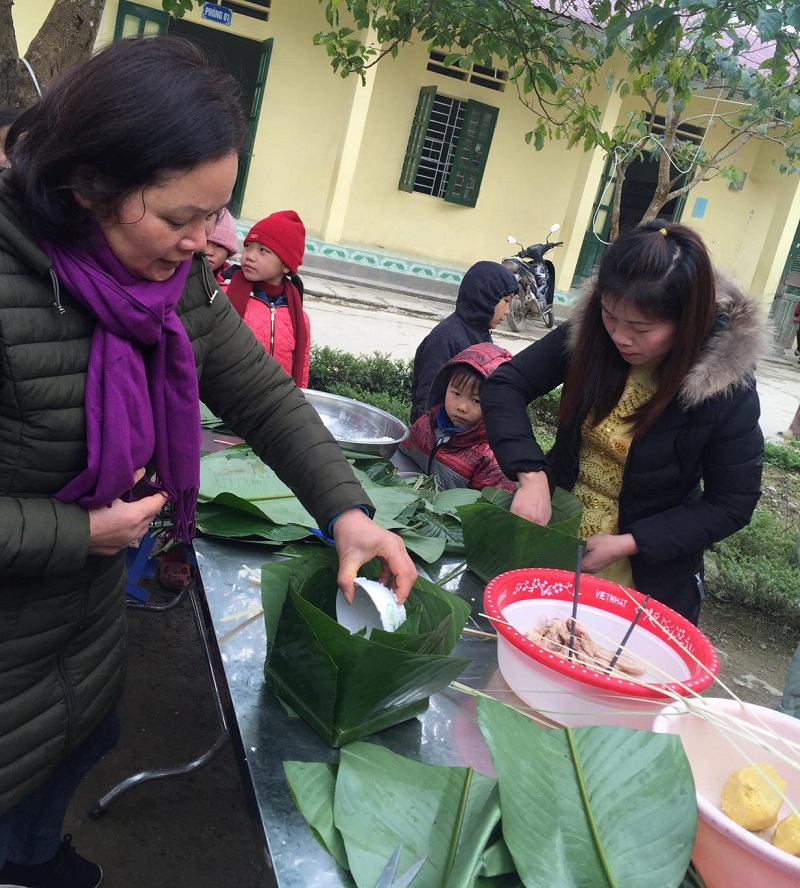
(358, 540)
(603, 549)
(532, 499)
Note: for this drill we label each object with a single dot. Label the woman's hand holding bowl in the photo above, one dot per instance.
(358, 540)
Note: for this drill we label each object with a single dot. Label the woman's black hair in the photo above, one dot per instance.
(8, 116)
(662, 270)
(137, 111)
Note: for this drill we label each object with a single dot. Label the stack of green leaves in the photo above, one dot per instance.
(347, 686)
(495, 540)
(242, 498)
(598, 807)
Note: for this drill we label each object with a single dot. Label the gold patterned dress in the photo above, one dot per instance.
(603, 453)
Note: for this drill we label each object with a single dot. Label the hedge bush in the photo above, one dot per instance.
(385, 382)
(758, 567)
(785, 455)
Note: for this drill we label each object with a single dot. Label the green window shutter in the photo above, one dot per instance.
(471, 154)
(237, 199)
(135, 20)
(416, 139)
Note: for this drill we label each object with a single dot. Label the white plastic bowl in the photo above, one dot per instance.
(727, 855)
(374, 607)
(679, 658)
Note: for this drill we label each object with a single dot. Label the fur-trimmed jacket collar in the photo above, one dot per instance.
(737, 342)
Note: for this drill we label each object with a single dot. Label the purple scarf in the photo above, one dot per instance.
(142, 397)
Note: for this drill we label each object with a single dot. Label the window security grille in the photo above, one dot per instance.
(441, 137)
(448, 147)
(686, 132)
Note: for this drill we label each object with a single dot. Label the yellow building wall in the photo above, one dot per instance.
(28, 16)
(523, 191)
(303, 120)
(333, 150)
(749, 231)
(745, 230)
(302, 151)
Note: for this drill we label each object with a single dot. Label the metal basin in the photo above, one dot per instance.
(357, 426)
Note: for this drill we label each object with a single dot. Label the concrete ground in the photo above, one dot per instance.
(196, 831)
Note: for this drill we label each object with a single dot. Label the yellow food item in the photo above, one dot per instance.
(749, 800)
(787, 835)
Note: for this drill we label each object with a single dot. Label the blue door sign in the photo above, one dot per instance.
(216, 13)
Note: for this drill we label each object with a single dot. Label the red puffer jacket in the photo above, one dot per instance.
(273, 328)
(462, 458)
(274, 313)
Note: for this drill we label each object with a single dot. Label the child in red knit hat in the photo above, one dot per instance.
(268, 294)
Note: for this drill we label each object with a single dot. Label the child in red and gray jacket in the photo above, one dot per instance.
(449, 441)
(268, 294)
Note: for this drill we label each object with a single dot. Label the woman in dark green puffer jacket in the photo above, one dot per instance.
(111, 325)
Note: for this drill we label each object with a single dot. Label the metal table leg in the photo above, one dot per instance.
(102, 804)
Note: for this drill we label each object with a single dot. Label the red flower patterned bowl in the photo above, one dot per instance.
(678, 659)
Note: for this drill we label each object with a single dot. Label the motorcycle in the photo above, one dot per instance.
(537, 282)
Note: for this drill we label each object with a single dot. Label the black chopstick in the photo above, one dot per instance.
(627, 635)
(575, 601)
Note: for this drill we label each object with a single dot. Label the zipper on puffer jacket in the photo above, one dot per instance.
(56, 292)
(272, 311)
(209, 283)
(69, 699)
(440, 438)
(69, 693)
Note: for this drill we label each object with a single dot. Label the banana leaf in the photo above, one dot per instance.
(242, 498)
(218, 520)
(346, 686)
(495, 540)
(432, 810)
(567, 508)
(237, 478)
(427, 548)
(591, 807)
(312, 786)
(569, 809)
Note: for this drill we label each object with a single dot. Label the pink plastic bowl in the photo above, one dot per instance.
(679, 658)
(727, 855)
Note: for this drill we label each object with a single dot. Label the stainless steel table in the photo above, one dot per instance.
(265, 736)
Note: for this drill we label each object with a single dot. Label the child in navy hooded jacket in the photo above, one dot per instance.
(482, 303)
(449, 442)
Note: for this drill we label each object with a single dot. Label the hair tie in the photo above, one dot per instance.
(663, 231)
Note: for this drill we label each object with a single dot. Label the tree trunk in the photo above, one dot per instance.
(11, 69)
(672, 120)
(616, 203)
(65, 38)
